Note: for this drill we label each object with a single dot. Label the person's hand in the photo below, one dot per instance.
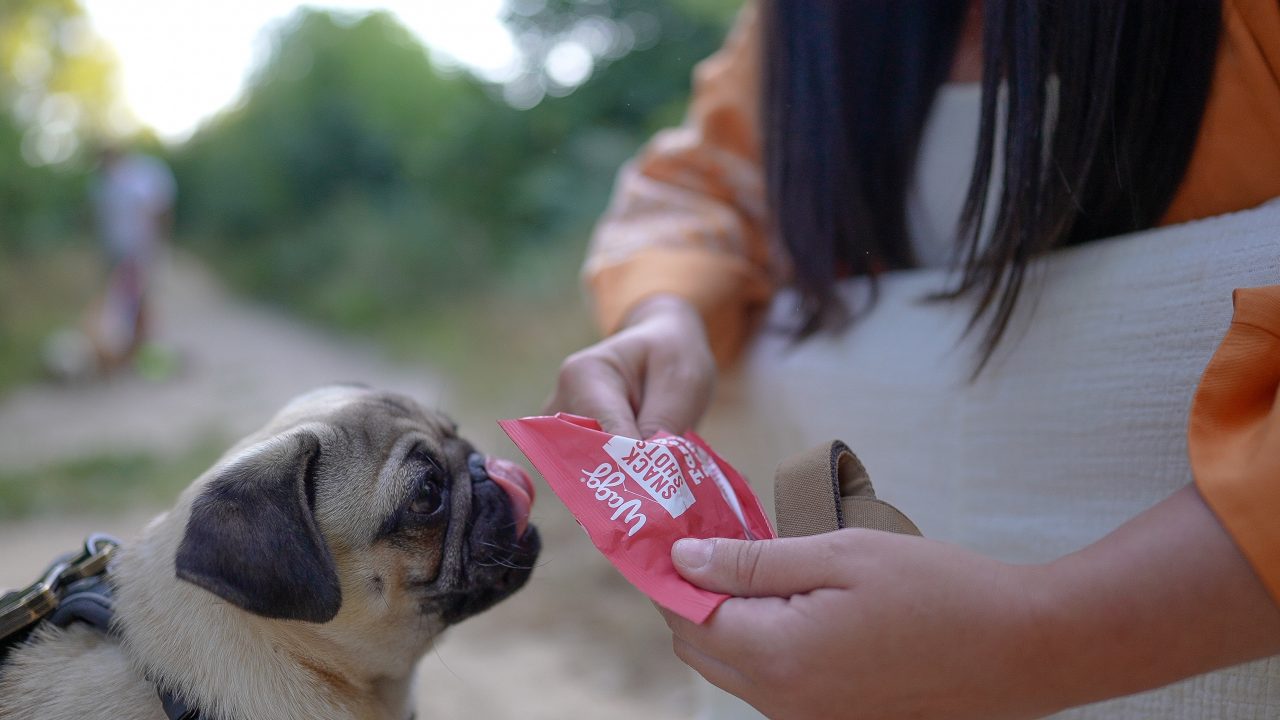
(864, 624)
(656, 373)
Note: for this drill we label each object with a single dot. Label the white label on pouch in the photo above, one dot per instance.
(655, 468)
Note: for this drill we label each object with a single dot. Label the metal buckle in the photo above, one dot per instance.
(98, 550)
(21, 609)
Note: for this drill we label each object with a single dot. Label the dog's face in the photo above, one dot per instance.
(363, 514)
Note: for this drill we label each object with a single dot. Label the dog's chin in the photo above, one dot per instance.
(495, 562)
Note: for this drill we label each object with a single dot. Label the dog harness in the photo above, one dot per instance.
(74, 588)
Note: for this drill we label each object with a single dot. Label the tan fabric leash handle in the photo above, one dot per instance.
(826, 488)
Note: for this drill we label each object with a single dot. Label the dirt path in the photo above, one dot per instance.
(578, 642)
(241, 362)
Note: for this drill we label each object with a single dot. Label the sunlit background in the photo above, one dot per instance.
(182, 61)
(353, 161)
(398, 192)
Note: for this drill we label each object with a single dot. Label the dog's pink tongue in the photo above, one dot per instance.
(516, 483)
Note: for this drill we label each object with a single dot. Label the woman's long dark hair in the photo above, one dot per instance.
(848, 87)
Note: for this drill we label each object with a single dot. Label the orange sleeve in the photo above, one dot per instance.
(1234, 433)
(688, 214)
(1236, 161)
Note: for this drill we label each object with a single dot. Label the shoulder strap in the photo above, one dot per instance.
(91, 601)
(826, 488)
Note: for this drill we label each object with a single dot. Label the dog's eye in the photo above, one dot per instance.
(428, 499)
(430, 495)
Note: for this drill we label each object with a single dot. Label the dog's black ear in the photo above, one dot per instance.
(252, 538)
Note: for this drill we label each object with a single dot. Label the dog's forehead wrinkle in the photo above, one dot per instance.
(394, 473)
(399, 404)
(365, 515)
(376, 422)
(441, 422)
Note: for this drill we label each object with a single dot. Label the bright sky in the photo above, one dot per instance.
(183, 60)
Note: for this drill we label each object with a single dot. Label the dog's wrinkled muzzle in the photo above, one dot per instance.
(500, 545)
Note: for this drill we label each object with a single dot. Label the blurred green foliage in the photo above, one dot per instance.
(359, 182)
(105, 483)
(56, 92)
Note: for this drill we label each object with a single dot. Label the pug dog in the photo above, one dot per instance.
(302, 577)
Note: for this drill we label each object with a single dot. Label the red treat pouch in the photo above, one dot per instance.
(635, 498)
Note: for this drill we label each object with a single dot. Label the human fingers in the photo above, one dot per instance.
(593, 384)
(758, 568)
(712, 669)
(679, 377)
(741, 630)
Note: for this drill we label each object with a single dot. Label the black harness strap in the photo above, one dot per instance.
(175, 708)
(91, 601)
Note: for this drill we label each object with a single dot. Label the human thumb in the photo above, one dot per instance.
(754, 568)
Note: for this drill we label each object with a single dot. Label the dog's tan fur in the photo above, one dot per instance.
(357, 665)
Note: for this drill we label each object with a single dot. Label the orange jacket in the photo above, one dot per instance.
(689, 217)
(1234, 433)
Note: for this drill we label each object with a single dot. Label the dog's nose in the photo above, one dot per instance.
(475, 465)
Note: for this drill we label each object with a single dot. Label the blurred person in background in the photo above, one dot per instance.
(842, 151)
(132, 195)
